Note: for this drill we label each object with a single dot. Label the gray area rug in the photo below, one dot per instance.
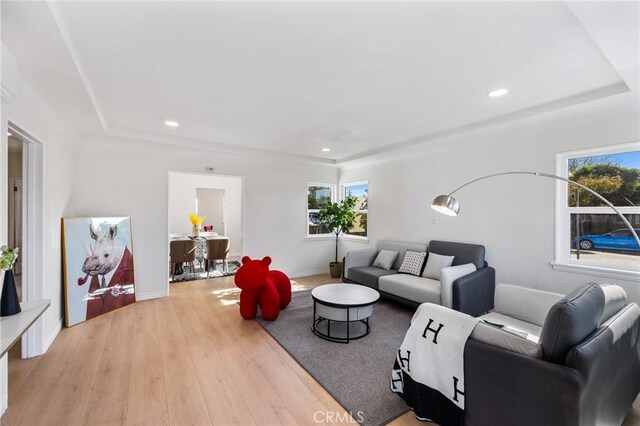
(355, 374)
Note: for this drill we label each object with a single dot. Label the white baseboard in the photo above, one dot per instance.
(152, 295)
(309, 273)
(52, 336)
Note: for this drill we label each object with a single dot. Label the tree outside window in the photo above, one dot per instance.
(596, 234)
(318, 196)
(360, 190)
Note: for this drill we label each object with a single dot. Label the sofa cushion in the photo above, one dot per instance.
(417, 289)
(368, 275)
(533, 331)
(571, 320)
(385, 259)
(413, 262)
(448, 276)
(524, 303)
(463, 252)
(498, 337)
(400, 247)
(435, 264)
(615, 298)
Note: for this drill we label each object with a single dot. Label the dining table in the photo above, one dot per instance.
(201, 247)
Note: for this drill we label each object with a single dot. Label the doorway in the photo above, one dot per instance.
(24, 224)
(217, 197)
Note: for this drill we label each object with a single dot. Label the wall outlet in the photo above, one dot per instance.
(433, 220)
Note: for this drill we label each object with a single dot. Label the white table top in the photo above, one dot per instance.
(345, 294)
(13, 327)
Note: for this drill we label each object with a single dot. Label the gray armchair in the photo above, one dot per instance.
(582, 370)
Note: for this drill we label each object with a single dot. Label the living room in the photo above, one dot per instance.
(396, 92)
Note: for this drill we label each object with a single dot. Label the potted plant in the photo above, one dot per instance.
(196, 221)
(338, 217)
(9, 302)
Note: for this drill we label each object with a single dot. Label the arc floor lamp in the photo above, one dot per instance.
(448, 205)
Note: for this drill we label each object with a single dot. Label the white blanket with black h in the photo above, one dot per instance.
(429, 369)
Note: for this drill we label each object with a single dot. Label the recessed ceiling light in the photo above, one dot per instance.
(497, 93)
(172, 123)
(325, 149)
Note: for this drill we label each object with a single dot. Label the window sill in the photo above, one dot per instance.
(599, 271)
(355, 238)
(320, 237)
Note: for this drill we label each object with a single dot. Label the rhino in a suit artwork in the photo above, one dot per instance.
(108, 266)
(108, 258)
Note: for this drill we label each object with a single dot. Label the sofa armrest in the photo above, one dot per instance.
(507, 388)
(473, 294)
(355, 258)
(448, 276)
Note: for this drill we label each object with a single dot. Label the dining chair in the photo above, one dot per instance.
(182, 251)
(217, 249)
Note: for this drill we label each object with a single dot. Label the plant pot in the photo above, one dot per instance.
(336, 269)
(9, 303)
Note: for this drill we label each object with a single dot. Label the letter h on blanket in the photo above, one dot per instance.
(429, 369)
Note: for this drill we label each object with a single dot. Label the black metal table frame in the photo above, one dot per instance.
(318, 319)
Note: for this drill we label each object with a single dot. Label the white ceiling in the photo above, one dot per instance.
(294, 77)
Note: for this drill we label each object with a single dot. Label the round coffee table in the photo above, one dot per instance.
(344, 303)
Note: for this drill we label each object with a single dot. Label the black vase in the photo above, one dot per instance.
(9, 302)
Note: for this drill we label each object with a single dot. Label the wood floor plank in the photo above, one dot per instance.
(109, 394)
(218, 387)
(148, 404)
(184, 398)
(266, 406)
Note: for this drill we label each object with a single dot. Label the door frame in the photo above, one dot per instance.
(33, 343)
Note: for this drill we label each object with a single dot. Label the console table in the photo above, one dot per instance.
(12, 328)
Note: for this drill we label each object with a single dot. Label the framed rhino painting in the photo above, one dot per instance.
(97, 256)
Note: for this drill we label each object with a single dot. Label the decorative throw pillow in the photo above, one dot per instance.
(435, 263)
(412, 263)
(385, 259)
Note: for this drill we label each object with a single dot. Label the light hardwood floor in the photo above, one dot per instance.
(186, 359)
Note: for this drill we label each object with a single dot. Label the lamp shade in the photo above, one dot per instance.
(446, 204)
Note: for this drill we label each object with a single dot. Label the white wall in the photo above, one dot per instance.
(136, 185)
(212, 205)
(512, 216)
(29, 113)
(182, 195)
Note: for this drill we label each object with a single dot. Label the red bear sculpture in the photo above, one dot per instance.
(271, 290)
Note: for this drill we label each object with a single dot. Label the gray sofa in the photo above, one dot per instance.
(579, 364)
(466, 286)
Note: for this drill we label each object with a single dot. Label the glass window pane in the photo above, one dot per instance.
(315, 227)
(318, 196)
(360, 225)
(360, 192)
(614, 176)
(604, 239)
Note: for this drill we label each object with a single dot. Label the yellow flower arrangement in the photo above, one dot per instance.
(195, 219)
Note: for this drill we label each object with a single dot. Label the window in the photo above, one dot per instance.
(590, 233)
(360, 190)
(318, 196)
